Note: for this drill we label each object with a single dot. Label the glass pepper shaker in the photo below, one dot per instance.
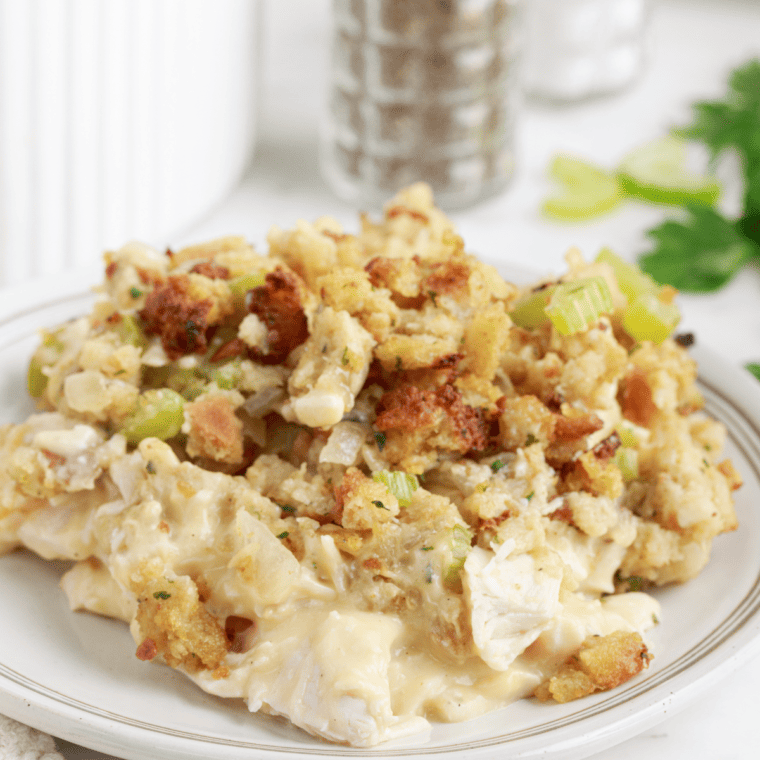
(422, 90)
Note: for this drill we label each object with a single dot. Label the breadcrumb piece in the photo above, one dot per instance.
(174, 623)
(601, 663)
(214, 432)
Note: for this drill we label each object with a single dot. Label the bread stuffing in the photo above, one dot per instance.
(363, 482)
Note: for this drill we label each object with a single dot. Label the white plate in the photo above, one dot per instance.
(75, 675)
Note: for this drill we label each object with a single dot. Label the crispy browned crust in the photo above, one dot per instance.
(449, 277)
(277, 304)
(601, 663)
(211, 270)
(636, 399)
(401, 277)
(179, 320)
(607, 448)
(411, 409)
(575, 428)
(231, 349)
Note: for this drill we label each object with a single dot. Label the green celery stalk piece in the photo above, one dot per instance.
(36, 379)
(627, 461)
(576, 305)
(401, 484)
(159, 414)
(649, 318)
(530, 311)
(630, 279)
(129, 331)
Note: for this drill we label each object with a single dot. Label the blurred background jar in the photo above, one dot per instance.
(119, 120)
(422, 90)
(577, 49)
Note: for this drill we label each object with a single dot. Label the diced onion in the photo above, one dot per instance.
(264, 401)
(344, 444)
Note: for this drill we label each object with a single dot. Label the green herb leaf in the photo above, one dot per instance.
(749, 224)
(161, 595)
(698, 255)
(733, 122)
(754, 369)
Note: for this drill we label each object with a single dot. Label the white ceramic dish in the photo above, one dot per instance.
(75, 675)
(120, 119)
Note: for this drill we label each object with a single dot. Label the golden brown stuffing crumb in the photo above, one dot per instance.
(277, 303)
(601, 663)
(214, 430)
(175, 624)
(181, 321)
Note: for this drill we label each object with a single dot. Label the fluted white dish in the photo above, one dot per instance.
(126, 119)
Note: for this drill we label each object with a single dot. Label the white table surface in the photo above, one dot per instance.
(693, 46)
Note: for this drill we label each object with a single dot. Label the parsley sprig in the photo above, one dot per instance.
(703, 251)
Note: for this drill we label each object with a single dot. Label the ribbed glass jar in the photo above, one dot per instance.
(422, 90)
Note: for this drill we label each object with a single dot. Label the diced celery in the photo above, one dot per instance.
(530, 311)
(576, 305)
(401, 484)
(228, 375)
(189, 383)
(159, 414)
(129, 330)
(627, 437)
(627, 461)
(239, 286)
(648, 315)
(630, 279)
(36, 379)
(650, 318)
(460, 544)
(46, 355)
